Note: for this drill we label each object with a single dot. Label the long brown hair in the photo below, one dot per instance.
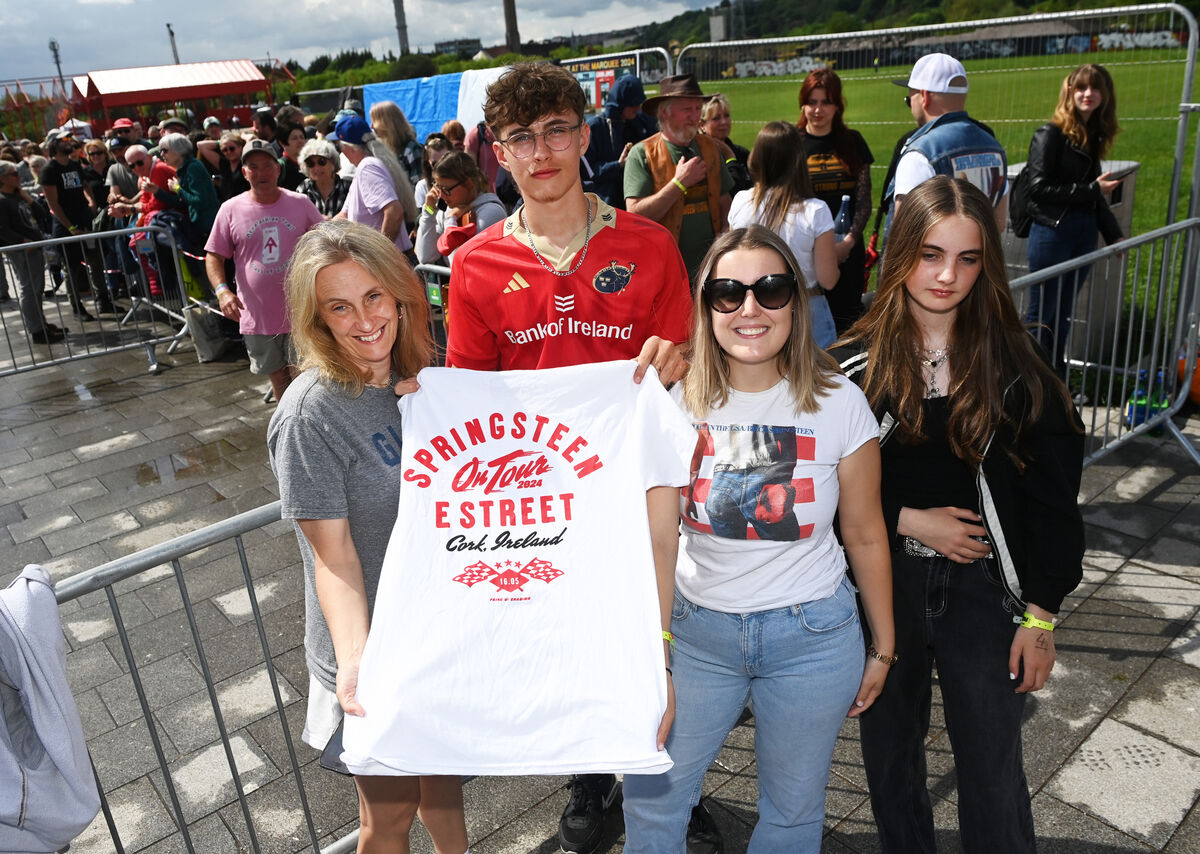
(808, 368)
(843, 141)
(1101, 127)
(990, 347)
(332, 242)
(780, 173)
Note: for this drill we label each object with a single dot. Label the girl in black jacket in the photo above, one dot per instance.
(1067, 197)
(982, 454)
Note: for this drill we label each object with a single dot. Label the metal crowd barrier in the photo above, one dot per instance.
(1130, 350)
(143, 320)
(437, 280)
(172, 553)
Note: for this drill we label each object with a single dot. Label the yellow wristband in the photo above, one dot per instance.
(679, 184)
(1032, 622)
(669, 638)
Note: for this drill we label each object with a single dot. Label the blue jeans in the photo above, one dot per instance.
(959, 617)
(801, 666)
(823, 329)
(736, 499)
(1052, 303)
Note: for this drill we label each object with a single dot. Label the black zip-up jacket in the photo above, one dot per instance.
(1062, 178)
(1032, 518)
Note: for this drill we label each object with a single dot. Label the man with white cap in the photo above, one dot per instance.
(947, 141)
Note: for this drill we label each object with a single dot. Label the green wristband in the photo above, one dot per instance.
(1032, 622)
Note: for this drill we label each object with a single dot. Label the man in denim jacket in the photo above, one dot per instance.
(947, 141)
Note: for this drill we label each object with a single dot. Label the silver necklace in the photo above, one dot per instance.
(587, 237)
(934, 358)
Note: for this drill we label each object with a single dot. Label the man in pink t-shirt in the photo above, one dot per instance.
(259, 230)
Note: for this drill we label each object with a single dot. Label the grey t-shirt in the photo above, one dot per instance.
(337, 457)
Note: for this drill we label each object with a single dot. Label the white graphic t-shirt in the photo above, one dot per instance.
(758, 512)
(516, 627)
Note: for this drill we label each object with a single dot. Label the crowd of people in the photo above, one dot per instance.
(929, 519)
(935, 501)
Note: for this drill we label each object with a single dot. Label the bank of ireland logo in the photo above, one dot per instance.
(508, 576)
(613, 278)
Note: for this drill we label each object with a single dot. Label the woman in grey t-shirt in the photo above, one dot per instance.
(359, 322)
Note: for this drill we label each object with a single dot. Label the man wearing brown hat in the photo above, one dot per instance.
(678, 177)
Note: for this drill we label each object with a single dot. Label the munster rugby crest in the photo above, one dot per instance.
(613, 278)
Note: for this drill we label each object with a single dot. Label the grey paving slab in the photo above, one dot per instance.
(1063, 829)
(100, 530)
(1165, 702)
(1186, 646)
(139, 814)
(1172, 555)
(208, 836)
(169, 634)
(164, 681)
(1141, 587)
(88, 625)
(1117, 642)
(204, 779)
(1139, 520)
(60, 498)
(1135, 782)
(93, 714)
(243, 699)
(126, 753)
(91, 666)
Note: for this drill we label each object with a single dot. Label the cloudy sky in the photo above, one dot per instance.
(101, 34)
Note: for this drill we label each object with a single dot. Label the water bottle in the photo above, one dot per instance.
(1158, 401)
(841, 225)
(1137, 408)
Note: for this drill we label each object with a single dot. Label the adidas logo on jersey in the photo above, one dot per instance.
(516, 283)
(564, 304)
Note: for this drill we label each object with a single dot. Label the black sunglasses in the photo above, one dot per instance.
(316, 160)
(772, 291)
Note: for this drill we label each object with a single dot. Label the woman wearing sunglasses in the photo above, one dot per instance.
(982, 456)
(322, 183)
(764, 611)
(782, 199)
(457, 207)
(232, 182)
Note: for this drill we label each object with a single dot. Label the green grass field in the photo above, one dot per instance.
(1015, 96)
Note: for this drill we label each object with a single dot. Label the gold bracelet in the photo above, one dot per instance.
(889, 660)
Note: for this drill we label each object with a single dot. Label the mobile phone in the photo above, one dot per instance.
(1119, 174)
(441, 204)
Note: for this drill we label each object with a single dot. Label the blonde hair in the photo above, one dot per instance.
(390, 124)
(809, 370)
(333, 242)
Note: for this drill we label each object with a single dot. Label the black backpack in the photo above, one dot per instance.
(1019, 216)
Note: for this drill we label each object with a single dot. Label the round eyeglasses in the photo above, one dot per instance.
(523, 143)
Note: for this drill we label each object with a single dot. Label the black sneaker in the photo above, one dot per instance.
(45, 336)
(703, 836)
(582, 822)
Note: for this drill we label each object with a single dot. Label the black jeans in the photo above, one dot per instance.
(959, 617)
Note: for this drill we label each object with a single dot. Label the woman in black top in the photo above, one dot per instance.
(839, 164)
(232, 180)
(982, 454)
(1068, 197)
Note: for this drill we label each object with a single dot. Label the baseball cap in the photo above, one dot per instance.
(121, 124)
(935, 72)
(261, 146)
(350, 129)
(211, 120)
(172, 120)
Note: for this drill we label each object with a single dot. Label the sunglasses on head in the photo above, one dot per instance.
(728, 295)
(316, 160)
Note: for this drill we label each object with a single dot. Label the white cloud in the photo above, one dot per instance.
(100, 34)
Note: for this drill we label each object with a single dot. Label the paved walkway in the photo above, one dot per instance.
(99, 459)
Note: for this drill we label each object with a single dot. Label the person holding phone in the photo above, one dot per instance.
(457, 207)
(1068, 197)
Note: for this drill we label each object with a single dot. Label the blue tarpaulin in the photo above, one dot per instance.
(428, 102)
